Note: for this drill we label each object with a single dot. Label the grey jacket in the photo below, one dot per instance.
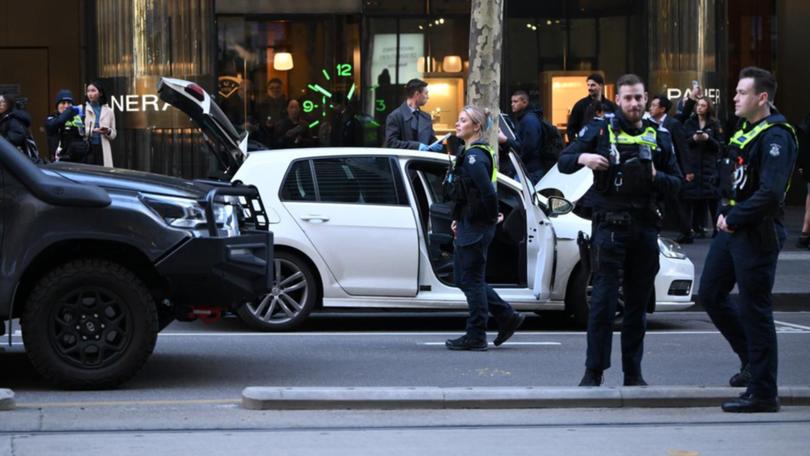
(399, 132)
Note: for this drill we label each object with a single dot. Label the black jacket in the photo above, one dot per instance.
(668, 175)
(399, 132)
(62, 129)
(530, 138)
(14, 126)
(577, 118)
(701, 160)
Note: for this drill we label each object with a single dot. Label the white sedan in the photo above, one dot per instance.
(369, 228)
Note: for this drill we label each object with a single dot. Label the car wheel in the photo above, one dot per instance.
(578, 296)
(89, 324)
(291, 300)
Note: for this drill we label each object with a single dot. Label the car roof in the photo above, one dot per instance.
(291, 154)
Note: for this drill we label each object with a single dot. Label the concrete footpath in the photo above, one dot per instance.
(327, 398)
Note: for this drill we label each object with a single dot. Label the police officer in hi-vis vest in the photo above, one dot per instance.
(475, 215)
(634, 166)
(750, 235)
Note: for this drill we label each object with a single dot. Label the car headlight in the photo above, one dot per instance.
(670, 248)
(186, 213)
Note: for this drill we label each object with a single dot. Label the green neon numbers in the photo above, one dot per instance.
(344, 70)
(309, 106)
(379, 105)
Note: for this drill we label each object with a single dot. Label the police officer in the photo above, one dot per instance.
(633, 165)
(475, 215)
(750, 235)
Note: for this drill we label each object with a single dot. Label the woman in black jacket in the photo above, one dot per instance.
(701, 192)
(14, 123)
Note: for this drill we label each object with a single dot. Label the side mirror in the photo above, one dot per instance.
(559, 206)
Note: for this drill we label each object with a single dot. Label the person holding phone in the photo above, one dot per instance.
(99, 125)
(701, 193)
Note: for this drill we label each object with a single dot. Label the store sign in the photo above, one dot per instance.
(712, 94)
(384, 56)
(137, 103)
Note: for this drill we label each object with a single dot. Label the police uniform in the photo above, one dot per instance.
(626, 216)
(765, 154)
(473, 181)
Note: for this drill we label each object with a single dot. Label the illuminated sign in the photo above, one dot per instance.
(711, 94)
(137, 103)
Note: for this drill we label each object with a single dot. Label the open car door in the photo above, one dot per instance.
(539, 238)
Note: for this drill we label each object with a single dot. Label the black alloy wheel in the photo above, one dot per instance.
(89, 324)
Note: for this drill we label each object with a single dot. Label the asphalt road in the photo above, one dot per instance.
(197, 362)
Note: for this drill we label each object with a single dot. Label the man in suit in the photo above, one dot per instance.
(408, 127)
(659, 109)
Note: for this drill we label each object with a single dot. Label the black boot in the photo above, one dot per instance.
(466, 342)
(804, 241)
(592, 377)
(634, 380)
(748, 403)
(741, 378)
(509, 328)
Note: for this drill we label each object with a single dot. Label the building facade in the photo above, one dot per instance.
(349, 59)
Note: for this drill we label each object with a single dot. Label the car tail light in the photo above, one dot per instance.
(195, 91)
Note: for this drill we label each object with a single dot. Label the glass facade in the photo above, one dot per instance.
(320, 73)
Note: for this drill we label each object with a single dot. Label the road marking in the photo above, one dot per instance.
(410, 333)
(505, 343)
(792, 325)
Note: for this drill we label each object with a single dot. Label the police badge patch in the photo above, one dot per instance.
(775, 149)
(471, 160)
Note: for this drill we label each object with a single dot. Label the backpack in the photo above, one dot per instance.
(552, 142)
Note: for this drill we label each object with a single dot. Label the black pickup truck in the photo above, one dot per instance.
(96, 261)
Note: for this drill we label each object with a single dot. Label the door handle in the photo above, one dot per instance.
(315, 218)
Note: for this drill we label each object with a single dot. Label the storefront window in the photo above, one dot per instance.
(265, 64)
(434, 49)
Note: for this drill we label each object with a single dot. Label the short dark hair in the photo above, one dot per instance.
(597, 78)
(521, 94)
(763, 80)
(663, 101)
(275, 80)
(629, 79)
(413, 86)
(102, 92)
(594, 107)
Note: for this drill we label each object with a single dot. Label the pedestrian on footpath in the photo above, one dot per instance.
(14, 122)
(700, 192)
(475, 215)
(408, 127)
(529, 135)
(596, 85)
(633, 165)
(750, 235)
(99, 124)
(65, 131)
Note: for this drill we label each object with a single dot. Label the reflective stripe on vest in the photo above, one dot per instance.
(647, 137)
(742, 138)
(493, 158)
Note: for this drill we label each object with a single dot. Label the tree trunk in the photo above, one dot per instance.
(484, 81)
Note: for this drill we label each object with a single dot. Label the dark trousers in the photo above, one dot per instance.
(743, 258)
(470, 265)
(694, 212)
(632, 248)
(95, 156)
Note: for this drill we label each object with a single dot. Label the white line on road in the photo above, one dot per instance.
(505, 343)
(792, 325)
(419, 333)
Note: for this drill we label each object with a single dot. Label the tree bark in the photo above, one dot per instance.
(484, 81)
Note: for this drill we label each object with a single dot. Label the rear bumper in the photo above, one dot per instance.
(219, 271)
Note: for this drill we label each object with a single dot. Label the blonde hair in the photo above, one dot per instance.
(479, 117)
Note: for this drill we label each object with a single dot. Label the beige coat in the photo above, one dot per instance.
(107, 120)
